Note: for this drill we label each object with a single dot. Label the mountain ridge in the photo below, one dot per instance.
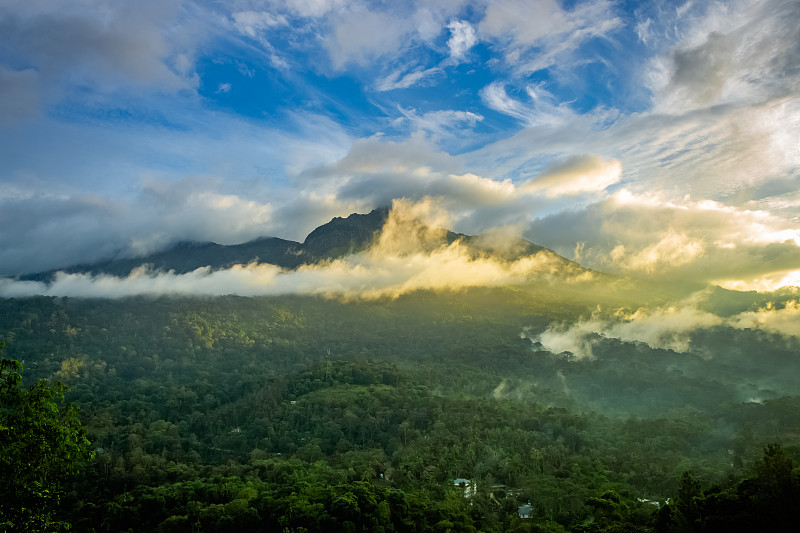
(339, 237)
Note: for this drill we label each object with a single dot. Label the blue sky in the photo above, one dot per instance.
(654, 139)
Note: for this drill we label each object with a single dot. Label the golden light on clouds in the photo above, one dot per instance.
(673, 250)
(667, 327)
(765, 283)
(412, 252)
(576, 175)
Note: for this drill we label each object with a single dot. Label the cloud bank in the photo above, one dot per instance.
(652, 141)
(668, 328)
(411, 253)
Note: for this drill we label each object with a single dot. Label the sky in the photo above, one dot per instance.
(656, 140)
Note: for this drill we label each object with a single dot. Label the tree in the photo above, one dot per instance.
(42, 443)
(775, 490)
(688, 504)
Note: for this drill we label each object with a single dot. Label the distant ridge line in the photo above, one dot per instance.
(336, 238)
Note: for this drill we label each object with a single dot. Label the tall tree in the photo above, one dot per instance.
(42, 443)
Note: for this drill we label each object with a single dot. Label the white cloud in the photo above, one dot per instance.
(666, 328)
(576, 175)
(252, 23)
(723, 128)
(669, 327)
(443, 123)
(784, 320)
(50, 222)
(462, 38)
(543, 34)
(314, 8)
(494, 96)
(679, 242)
(417, 77)
(89, 228)
(525, 22)
(735, 51)
(361, 36)
(540, 109)
(712, 153)
(410, 254)
(643, 30)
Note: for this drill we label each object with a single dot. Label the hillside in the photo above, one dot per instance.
(588, 401)
(337, 238)
(303, 412)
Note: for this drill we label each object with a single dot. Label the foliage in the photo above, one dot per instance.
(41, 444)
(765, 502)
(229, 413)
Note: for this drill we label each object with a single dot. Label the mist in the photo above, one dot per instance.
(666, 327)
(410, 253)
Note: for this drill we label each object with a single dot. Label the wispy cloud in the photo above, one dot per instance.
(251, 23)
(538, 109)
(398, 80)
(361, 36)
(734, 51)
(659, 141)
(543, 34)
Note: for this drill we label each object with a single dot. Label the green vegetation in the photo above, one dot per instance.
(42, 444)
(228, 414)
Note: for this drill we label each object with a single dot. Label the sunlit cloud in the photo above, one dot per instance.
(411, 253)
(650, 142)
(699, 242)
(784, 320)
(574, 176)
(668, 328)
(764, 283)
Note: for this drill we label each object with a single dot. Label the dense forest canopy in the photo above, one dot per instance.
(305, 412)
(410, 266)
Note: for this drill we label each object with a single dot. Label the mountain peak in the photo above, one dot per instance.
(336, 238)
(342, 236)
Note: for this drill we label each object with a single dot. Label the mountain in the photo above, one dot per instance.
(342, 236)
(339, 237)
(336, 238)
(188, 256)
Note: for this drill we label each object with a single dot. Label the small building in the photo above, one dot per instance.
(467, 486)
(649, 502)
(525, 511)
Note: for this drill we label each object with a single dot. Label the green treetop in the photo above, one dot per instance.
(42, 443)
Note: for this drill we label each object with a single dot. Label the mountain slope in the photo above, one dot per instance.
(337, 238)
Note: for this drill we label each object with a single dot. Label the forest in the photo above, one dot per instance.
(433, 411)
